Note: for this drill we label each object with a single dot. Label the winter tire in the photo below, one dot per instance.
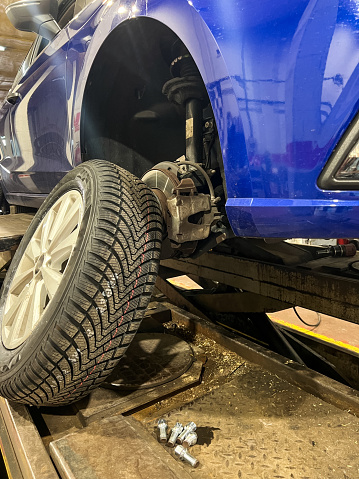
(78, 285)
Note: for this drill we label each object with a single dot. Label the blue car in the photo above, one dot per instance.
(162, 127)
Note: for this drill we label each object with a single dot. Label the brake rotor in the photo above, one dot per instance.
(163, 179)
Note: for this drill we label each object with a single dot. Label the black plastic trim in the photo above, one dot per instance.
(327, 180)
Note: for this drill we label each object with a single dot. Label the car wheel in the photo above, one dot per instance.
(78, 285)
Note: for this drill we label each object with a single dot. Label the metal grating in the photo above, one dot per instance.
(259, 426)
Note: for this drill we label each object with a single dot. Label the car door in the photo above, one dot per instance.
(7, 150)
(35, 122)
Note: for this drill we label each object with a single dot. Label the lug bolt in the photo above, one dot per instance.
(190, 427)
(191, 439)
(176, 431)
(184, 455)
(162, 426)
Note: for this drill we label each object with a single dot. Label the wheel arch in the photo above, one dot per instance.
(137, 126)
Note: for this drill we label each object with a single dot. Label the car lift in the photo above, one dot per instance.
(236, 293)
(242, 290)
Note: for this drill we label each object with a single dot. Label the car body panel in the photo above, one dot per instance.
(283, 80)
(39, 152)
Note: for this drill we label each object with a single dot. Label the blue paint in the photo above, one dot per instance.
(283, 80)
(293, 218)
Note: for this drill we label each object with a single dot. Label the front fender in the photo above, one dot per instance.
(187, 23)
(283, 80)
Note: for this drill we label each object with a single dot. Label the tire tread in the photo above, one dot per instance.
(107, 299)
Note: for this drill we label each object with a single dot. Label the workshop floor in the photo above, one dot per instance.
(250, 423)
(259, 426)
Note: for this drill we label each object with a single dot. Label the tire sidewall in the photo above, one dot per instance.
(82, 179)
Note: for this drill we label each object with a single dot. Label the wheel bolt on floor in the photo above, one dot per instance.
(191, 440)
(190, 427)
(162, 426)
(176, 431)
(184, 455)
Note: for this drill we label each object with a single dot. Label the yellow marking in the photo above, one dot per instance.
(341, 344)
(5, 460)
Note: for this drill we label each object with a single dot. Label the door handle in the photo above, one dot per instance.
(13, 98)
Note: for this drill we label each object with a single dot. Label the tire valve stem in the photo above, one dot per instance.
(191, 440)
(176, 431)
(184, 455)
(162, 426)
(190, 427)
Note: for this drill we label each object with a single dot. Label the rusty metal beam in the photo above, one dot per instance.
(237, 303)
(326, 293)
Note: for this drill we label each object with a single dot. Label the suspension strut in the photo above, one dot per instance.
(186, 88)
(189, 214)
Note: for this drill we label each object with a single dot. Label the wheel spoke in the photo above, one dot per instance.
(33, 250)
(21, 280)
(26, 263)
(59, 218)
(46, 228)
(52, 279)
(17, 301)
(24, 315)
(19, 322)
(70, 222)
(63, 250)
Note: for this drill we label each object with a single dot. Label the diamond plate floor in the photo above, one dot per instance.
(259, 426)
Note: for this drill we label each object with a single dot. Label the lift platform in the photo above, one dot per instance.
(257, 414)
(268, 406)
(292, 277)
(237, 292)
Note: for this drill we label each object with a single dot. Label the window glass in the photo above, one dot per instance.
(43, 43)
(26, 63)
(66, 12)
(81, 4)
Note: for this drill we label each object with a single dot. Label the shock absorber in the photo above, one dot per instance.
(186, 88)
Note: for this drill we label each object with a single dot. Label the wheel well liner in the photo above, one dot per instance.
(125, 117)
